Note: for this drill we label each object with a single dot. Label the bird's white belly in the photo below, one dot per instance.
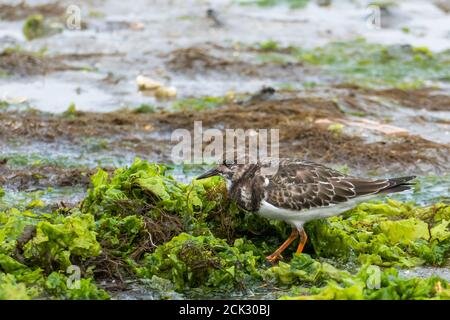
(298, 218)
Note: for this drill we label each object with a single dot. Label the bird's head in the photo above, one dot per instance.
(231, 171)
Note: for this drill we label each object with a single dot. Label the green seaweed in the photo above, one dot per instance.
(56, 285)
(71, 112)
(36, 251)
(269, 45)
(378, 65)
(198, 104)
(292, 4)
(57, 241)
(34, 27)
(322, 281)
(144, 108)
(144, 188)
(141, 223)
(203, 261)
(386, 234)
(10, 289)
(368, 64)
(4, 104)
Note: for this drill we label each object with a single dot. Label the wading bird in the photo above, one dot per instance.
(299, 191)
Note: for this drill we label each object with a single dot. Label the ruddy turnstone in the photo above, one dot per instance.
(299, 191)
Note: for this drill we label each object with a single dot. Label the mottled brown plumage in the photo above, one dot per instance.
(299, 191)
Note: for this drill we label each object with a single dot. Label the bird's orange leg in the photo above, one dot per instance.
(274, 257)
(303, 239)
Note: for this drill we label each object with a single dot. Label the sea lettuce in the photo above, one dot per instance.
(203, 261)
(141, 224)
(386, 234)
(325, 282)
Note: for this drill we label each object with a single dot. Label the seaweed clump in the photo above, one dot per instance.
(143, 216)
(204, 262)
(314, 280)
(386, 234)
(141, 224)
(36, 252)
(36, 26)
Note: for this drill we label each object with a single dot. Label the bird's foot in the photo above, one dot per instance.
(274, 258)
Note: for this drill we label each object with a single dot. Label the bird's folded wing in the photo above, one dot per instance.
(304, 186)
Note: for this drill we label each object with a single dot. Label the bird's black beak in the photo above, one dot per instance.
(210, 173)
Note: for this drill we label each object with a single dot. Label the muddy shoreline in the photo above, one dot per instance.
(304, 124)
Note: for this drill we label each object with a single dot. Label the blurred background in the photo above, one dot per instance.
(94, 50)
(362, 86)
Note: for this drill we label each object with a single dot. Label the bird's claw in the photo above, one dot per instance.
(274, 258)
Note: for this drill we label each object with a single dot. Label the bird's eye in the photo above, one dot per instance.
(227, 163)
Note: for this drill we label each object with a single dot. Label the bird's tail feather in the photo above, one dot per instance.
(398, 185)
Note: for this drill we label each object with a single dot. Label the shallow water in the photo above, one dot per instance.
(50, 197)
(426, 272)
(91, 155)
(121, 52)
(181, 24)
